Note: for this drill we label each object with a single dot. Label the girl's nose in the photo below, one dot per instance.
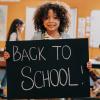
(51, 19)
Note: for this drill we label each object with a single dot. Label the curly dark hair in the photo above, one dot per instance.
(42, 13)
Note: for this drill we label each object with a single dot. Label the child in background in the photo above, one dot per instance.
(95, 75)
(16, 28)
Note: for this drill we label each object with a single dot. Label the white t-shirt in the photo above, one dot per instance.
(13, 37)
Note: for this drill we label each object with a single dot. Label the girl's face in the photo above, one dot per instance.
(51, 22)
(20, 28)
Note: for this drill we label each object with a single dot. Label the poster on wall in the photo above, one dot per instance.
(3, 22)
(81, 27)
(95, 29)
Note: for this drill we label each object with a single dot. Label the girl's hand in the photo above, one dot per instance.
(6, 55)
(89, 65)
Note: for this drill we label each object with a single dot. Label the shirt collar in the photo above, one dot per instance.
(47, 36)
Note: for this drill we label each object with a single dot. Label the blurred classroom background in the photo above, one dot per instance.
(85, 22)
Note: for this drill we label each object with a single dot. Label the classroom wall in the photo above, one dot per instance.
(18, 10)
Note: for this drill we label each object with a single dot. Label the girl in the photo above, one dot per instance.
(51, 21)
(16, 28)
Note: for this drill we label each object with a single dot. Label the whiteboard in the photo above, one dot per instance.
(72, 28)
(29, 32)
(95, 29)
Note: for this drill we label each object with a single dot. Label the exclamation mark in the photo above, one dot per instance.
(82, 73)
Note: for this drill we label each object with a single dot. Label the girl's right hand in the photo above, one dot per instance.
(6, 55)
